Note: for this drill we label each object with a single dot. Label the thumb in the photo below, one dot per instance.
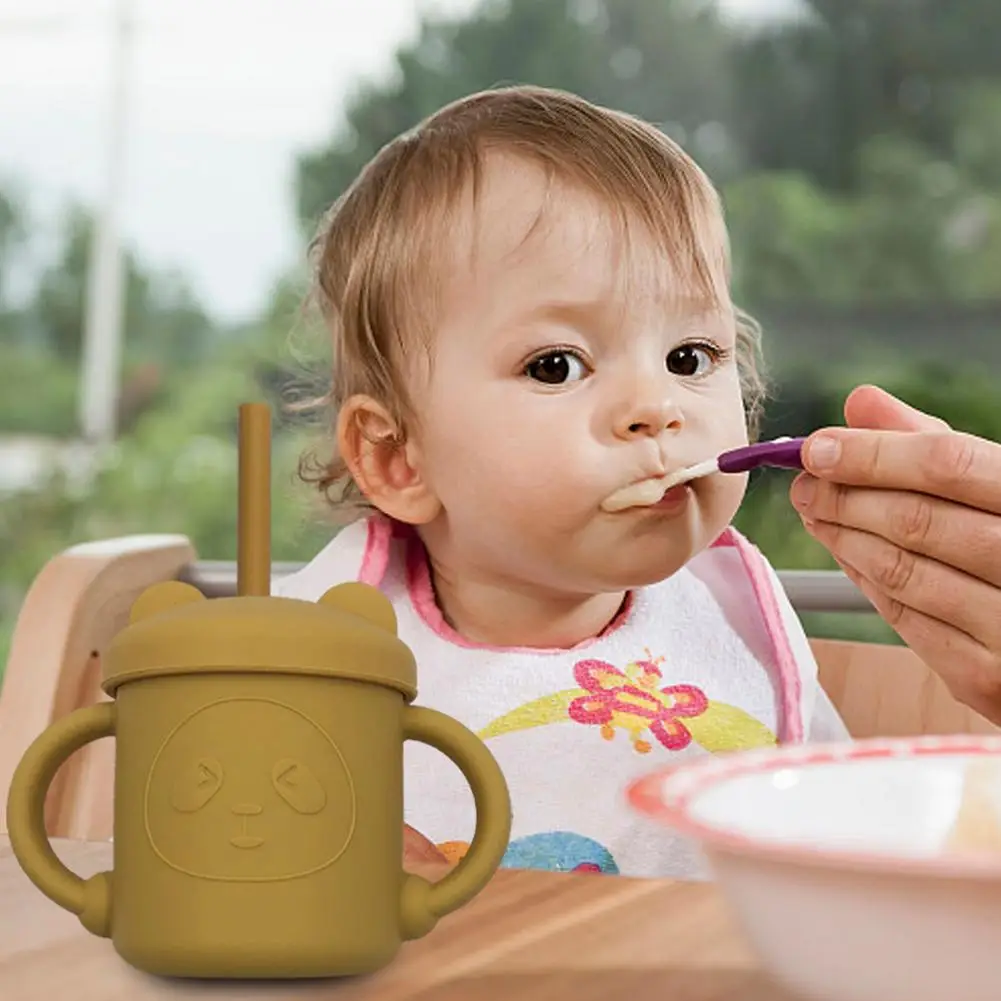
(874, 408)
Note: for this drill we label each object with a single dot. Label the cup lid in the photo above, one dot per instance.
(349, 633)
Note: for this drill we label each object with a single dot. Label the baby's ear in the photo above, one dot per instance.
(384, 462)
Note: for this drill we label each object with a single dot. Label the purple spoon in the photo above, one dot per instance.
(782, 453)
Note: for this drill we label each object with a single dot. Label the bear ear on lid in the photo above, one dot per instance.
(363, 600)
(161, 597)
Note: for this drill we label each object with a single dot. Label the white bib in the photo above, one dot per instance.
(713, 659)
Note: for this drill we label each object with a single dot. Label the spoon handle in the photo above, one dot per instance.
(783, 453)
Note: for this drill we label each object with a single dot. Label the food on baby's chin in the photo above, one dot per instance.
(977, 828)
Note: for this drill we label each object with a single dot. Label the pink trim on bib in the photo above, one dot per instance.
(790, 683)
(422, 597)
(375, 560)
(382, 532)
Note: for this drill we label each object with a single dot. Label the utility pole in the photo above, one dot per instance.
(102, 334)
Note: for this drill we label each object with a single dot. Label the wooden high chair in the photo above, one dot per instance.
(82, 597)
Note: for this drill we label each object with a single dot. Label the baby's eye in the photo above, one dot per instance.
(556, 368)
(692, 360)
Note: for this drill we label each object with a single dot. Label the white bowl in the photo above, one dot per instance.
(851, 868)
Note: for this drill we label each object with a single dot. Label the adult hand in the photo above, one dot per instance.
(911, 511)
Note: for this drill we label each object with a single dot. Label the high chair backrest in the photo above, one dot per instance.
(82, 597)
(77, 603)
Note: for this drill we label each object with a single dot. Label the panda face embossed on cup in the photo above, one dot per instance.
(249, 789)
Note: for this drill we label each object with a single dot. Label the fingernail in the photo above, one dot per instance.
(824, 452)
(804, 489)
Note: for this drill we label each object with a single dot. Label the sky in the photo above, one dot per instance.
(223, 95)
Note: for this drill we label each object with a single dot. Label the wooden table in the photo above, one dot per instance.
(529, 936)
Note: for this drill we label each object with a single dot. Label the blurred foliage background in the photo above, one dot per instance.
(858, 149)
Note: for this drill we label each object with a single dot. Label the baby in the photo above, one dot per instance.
(528, 298)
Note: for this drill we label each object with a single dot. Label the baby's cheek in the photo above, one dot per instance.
(540, 505)
(500, 490)
(722, 497)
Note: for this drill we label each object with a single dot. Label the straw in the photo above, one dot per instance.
(253, 561)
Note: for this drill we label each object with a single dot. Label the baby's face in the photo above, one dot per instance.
(555, 383)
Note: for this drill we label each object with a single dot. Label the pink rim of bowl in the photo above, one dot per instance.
(667, 796)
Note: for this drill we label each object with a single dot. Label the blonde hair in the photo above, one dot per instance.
(374, 255)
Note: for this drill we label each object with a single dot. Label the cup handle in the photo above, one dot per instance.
(89, 899)
(424, 903)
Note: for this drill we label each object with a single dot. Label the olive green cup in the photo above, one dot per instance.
(258, 815)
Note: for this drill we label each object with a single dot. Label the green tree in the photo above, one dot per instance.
(918, 229)
(788, 237)
(977, 132)
(815, 90)
(163, 322)
(12, 235)
(666, 61)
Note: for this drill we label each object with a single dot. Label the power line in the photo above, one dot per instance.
(102, 334)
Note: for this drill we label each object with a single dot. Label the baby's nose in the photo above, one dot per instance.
(246, 809)
(650, 418)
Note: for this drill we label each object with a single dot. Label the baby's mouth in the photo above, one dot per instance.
(645, 493)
